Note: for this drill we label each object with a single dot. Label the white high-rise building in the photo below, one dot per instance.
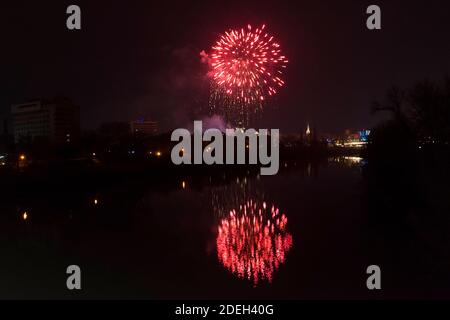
(56, 120)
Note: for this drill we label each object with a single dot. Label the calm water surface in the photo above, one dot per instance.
(304, 233)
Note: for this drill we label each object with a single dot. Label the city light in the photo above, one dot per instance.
(355, 160)
(158, 153)
(25, 216)
(95, 201)
(22, 157)
(355, 144)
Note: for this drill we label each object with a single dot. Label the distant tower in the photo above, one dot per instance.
(308, 130)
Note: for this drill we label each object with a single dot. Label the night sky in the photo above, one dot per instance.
(141, 58)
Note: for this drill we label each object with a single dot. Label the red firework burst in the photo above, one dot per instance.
(247, 65)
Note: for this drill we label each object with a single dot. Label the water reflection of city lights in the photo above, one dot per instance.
(349, 160)
(252, 241)
(353, 159)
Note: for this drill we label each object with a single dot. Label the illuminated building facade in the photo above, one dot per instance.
(144, 127)
(55, 120)
(354, 139)
(364, 135)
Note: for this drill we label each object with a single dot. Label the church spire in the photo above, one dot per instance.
(308, 130)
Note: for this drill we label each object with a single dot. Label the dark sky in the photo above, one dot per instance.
(141, 58)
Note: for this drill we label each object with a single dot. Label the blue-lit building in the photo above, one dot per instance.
(364, 135)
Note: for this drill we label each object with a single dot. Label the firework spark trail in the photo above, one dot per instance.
(247, 68)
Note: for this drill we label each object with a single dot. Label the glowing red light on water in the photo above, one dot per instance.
(252, 241)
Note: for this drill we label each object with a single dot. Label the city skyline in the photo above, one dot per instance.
(147, 64)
